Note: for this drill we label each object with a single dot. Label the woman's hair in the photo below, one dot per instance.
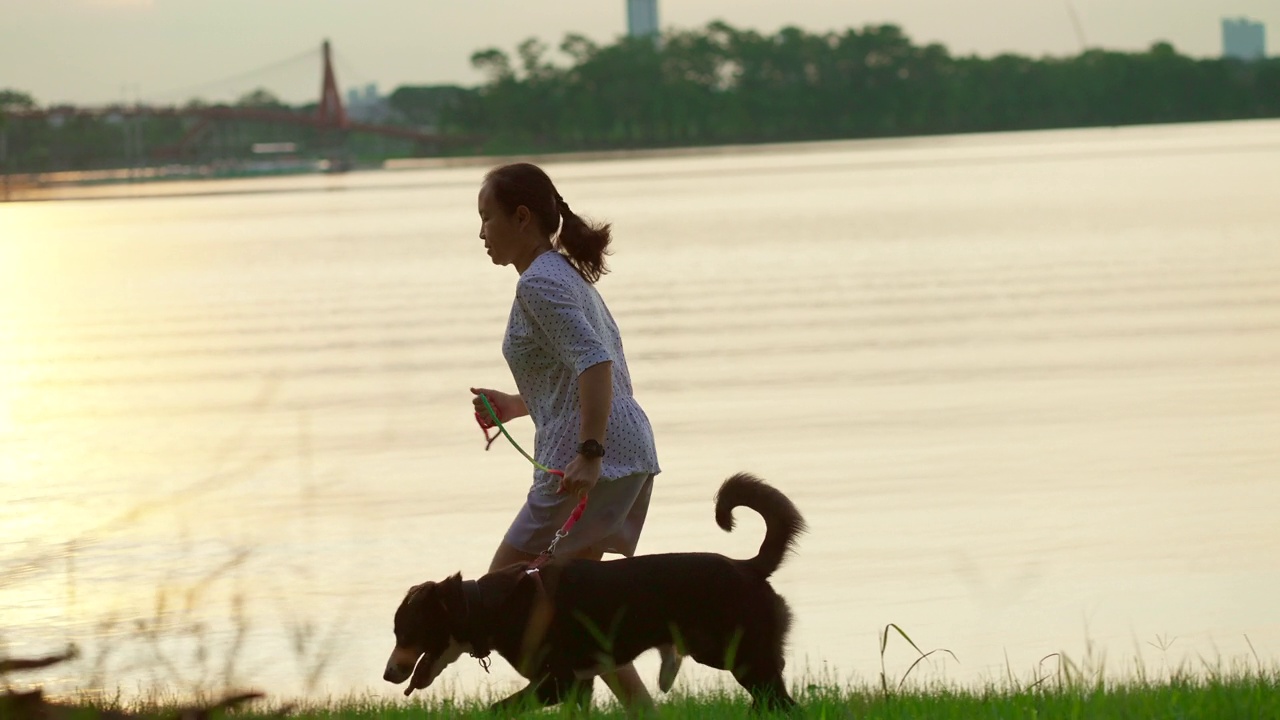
(583, 242)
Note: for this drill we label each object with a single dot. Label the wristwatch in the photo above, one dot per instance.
(591, 449)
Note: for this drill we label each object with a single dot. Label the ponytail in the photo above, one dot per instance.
(584, 243)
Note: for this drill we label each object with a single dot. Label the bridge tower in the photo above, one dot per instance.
(331, 111)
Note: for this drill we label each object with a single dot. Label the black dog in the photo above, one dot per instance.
(565, 623)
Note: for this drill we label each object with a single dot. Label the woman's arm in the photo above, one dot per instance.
(595, 396)
(595, 393)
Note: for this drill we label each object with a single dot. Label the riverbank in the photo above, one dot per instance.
(1010, 146)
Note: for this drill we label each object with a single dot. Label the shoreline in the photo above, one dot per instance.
(114, 183)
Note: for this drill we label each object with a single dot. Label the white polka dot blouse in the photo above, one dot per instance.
(559, 327)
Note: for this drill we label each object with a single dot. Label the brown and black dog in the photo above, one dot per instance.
(561, 625)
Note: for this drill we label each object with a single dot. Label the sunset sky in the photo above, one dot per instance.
(101, 51)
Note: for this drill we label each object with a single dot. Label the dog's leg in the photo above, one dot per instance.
(671, 658)
(759, 670)
(525, 698)
(630, 690)
(768, 690)
(545, 691)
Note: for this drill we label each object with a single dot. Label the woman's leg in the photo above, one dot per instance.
(508, 555)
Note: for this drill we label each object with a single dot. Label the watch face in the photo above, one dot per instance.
(591, 449)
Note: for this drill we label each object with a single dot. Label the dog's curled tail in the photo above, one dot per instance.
(782, 520)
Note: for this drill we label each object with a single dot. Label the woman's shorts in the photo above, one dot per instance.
(611, 522)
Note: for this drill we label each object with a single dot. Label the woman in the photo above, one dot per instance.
(565, 353)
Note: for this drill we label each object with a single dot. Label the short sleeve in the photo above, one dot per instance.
(562, 320)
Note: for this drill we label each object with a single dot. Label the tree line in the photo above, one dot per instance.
(720, 84)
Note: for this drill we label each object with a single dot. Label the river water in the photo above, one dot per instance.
(1025, 388)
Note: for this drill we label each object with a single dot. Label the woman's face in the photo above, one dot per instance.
(503, 233)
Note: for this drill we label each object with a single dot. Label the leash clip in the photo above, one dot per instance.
(551, 549)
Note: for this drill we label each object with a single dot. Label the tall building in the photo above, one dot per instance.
(366, 105)
(642, 18)
(1243, 39)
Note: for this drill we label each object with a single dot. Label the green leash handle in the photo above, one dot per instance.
(493, 414)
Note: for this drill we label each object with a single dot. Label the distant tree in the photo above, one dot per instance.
(429, 104)
(531, 53)
(260, 98)
(494, 63)
(11, 100)
(579, 48)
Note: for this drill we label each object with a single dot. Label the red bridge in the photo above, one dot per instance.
(330, 115)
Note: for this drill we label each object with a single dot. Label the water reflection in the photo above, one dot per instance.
(1022, 386)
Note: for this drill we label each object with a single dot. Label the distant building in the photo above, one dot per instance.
(366, 105)
(642, 18)
(1243, 39)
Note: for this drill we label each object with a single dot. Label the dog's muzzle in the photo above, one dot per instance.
(396, 674)
(400, 665)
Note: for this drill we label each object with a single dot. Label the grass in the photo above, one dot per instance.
(1058, 687)
(1249, 694)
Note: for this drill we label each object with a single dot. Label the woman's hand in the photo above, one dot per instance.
(581, 475)
(508, 407)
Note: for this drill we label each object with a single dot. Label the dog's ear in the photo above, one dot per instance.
(450, 595)
(423, 598)
(413, 592)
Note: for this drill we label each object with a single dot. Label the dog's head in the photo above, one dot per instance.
(425, 642)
